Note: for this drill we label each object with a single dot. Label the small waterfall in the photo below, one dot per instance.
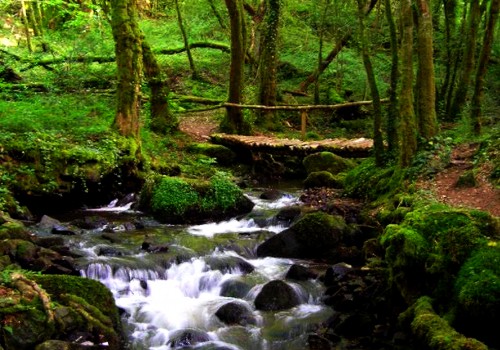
(159, 302)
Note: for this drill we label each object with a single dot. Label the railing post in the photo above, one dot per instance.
(303, 122)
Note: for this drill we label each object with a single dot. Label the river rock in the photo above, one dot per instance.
(187, 337)
(315, 235)
(300, 273)
(227, 264)
(271, 194)
(234, 288)
(235, 313)
(90, 222)
(276, 295)
(289, 214)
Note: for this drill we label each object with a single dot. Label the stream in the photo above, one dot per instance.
(170, 281)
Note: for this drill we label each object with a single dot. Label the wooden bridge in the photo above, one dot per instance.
(247, 145)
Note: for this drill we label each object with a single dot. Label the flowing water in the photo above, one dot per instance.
(167, 291)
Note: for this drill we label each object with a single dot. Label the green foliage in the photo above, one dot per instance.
(173, 195)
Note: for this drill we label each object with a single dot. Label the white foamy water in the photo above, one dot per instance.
(285, 201)
(158, 302)
(231, 226)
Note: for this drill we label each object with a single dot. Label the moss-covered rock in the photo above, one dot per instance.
(477, 291)
(434, 331)
(315, 235)
(371, 182)
(223, 155)
(327, 161)
(323, 179)
(38, 308)
(426, 251)
(180, 200)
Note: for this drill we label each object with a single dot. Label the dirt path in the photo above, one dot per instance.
(483, 196)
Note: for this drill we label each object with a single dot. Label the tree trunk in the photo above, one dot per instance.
(468, 61)
(234, 123)
(482, 67)
(426, 85)
(162, 120)
(408, 130)
(268, 63)
(185, 39)
(450, 22)
(378, 143)
(392, 113)
(128, 52)
(24, 19)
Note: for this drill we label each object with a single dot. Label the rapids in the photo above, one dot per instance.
(164, 294)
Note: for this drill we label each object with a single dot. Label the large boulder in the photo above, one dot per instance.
(234, 313)
(179, 200)
(234, 288)
(187, 337)
(327, 161)
(276, 295)
(315, 235)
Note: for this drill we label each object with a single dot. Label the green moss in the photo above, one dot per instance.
(478, 286)
(327, 161)
(322, 179)
(320, 229)
(93, 292)
(222, 154)
(176, 199)
(435, 332)
(370, 182)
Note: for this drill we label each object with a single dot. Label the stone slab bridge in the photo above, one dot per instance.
(250, 146)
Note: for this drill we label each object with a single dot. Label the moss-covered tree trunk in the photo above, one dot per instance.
(392, 110)
(408, 127)
(162, 120)
(426, 85)
(468, 62)
(128, 50)
(268, 63)
(482, 67)
(233, 122)
(378, 143)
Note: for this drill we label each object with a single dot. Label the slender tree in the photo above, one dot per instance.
(128, 50)
(268, 62)
(233, 122)
(425, 85)
(392, 111)
(468, 62)
(407, 125)
(378, 143)
(185, 39)
(477, 97)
